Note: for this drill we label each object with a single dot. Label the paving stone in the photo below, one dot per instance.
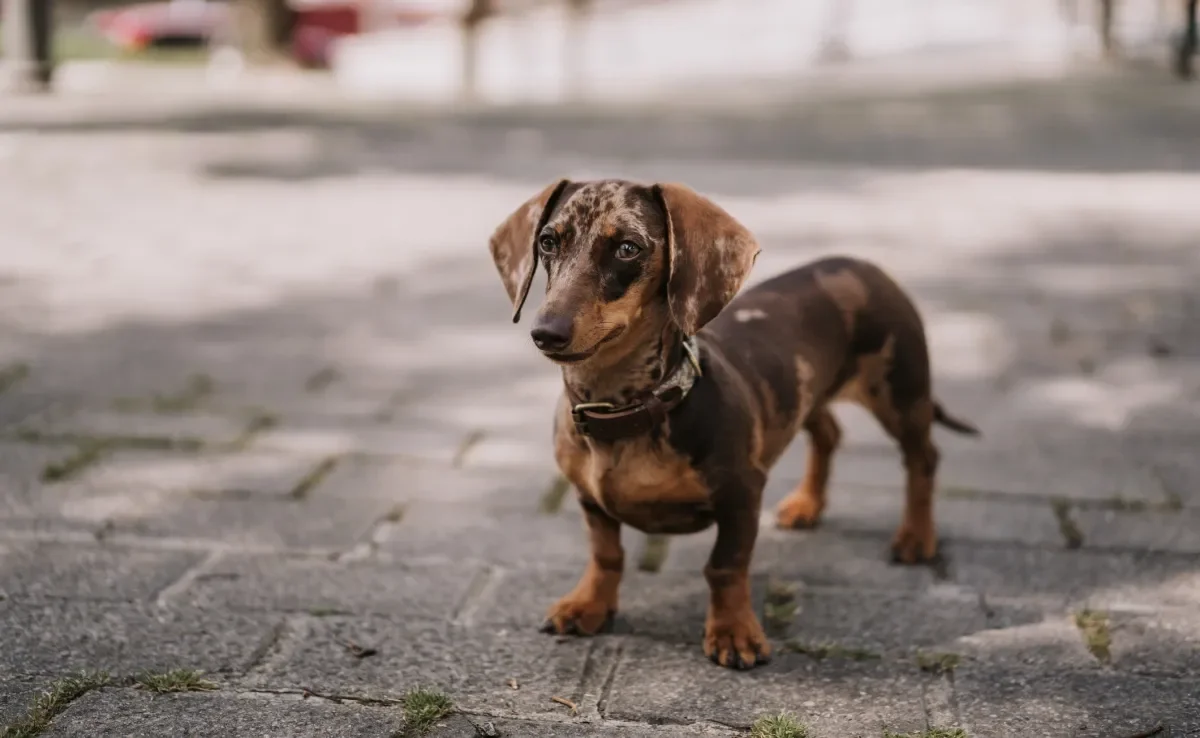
(473, 666)
(17, 693)
(21, 467)
(128, 713)
(493, 517)
(308, 524)
(1177, 531)
(467, 726)
(1058, 577)
(99, 572)
(1159, 642)
(820, 557)
(405, 482)
(662, 682)
(122, 639)
(878, 510)
(1026, 635)
(300, 434)
(1023, 704)
(211, 475)
(180, 427)
(240, 582)
(897, 625)
(1049, 473)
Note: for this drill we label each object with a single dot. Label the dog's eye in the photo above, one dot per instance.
(628, 250)
(547, 244)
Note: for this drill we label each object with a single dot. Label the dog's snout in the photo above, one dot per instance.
(552, 332)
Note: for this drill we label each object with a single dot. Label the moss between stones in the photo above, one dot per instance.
(782, 725)
(176, 680)
(422, 709)
(52, 702)
(1096, 636)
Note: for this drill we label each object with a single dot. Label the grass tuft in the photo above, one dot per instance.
(88, 453)
(552, 499)
(314, 477)
(654, 553)
(829, 650)
(779, 608)
(12, 374)
(937, 663)
(53, 701)
(1094, 627)
(422, 709)
(783, 725)
(176, 680)
(1072, 536)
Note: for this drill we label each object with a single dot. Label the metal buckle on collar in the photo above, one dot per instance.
(579, 418)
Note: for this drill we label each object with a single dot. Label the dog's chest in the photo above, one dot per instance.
(649, 486)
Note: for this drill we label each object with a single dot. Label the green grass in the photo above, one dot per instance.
(53, 701)
(782, 725)
(654, 553)
(779, 608)
(314, 477)
(828, 650)
(1094, 627)
(422, 709)
(937, 663)
(12, 374)
(176, 680)
(85, 455)
(552, 499)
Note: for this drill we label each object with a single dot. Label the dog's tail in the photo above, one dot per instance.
(942, 417)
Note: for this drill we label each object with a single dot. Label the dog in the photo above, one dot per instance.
(678, 397)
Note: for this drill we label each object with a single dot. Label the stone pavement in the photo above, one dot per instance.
(264, 417)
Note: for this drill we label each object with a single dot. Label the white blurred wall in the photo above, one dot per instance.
(660, 48)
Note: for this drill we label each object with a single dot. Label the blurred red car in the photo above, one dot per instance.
(318, 23)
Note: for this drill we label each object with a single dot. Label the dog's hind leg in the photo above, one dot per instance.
(916, 538)
(802, 508)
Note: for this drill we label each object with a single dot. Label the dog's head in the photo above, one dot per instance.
(618, 257)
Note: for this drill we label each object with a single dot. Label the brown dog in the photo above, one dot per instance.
(678, 401)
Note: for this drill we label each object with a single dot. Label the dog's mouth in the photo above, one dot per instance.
(563, 358)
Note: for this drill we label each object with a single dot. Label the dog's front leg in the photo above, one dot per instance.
(590, 607)
(733, 636)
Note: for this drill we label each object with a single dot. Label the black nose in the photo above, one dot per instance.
(552, 332)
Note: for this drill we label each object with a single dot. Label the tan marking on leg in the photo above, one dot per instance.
(594, 600)
(916, 538)
(733, 636)
(802, 508)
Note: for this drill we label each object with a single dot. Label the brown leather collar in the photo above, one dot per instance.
(606, 423)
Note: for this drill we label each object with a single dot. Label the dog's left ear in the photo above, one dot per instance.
(514, 244)
(711, 255)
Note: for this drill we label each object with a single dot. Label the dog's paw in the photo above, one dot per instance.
(798, 511)
(737, 641)
(914, 546)
(578, 617)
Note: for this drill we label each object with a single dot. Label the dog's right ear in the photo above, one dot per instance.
(514, 244)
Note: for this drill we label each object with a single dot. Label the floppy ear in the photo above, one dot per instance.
(514, 246)
(711, 254)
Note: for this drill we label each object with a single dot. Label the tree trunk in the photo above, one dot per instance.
(1108, 14)
(476, 14)
(263, 28)
(28, 62)
(1184, 62)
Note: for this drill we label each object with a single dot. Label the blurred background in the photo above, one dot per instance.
(255, 359)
